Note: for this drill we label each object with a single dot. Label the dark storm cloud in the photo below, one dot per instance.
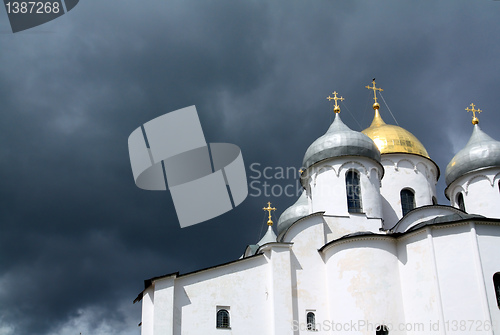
(77, 237)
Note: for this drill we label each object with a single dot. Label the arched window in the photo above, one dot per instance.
(311, 321)
(460, 201)
(407, 200)
(382, 330)
(434, 201)
(496, 283)
(353, 189)
(222, 318)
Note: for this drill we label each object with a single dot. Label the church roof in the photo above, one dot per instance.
(250, 250)
(452, 218)
(293, 213)
(480, 152)
(389, 138)
(456, 218)
(339, 141)
(393, 139)
(268, 237)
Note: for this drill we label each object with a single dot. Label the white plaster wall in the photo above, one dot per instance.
(164, 306)
(281, 289)
(419, 286)
(308, 273)
(328, 189)
(489, 249)
(480, 190)
(459, 280)
(363, 284)
(147, 311)
(406, 171)
(243, 287)
(341, 226)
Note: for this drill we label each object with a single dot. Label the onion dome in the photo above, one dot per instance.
(481, 152)
(293, 213)
(339, 141)
(393, 139)
(268, 237)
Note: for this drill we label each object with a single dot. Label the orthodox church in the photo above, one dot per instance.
(365, 249)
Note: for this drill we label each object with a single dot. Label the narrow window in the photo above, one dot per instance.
(496, 283)
(353, 189)
(311, 321)
(222, 318)
(382, 330)
(407, 200)
(460, 201)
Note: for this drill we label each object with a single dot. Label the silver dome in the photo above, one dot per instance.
(338, 141)
(269, 237)
(293, 213)
(480, 152)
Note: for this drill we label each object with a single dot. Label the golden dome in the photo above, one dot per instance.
(393, 139)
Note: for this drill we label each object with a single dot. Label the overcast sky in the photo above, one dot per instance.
(77, 237)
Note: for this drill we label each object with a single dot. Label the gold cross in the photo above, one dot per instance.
(375, 89)
(336, 109)
(269, 209)
(475, 120)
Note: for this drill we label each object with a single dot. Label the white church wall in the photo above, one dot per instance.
(307, 235)
(481, 192)
(419, 288)
(489, 249)
(308, 272)
(280, 294)
(460, 282)
(147, 321)
(363, 284)
(370, 186)
(342, 226)
(163, 313)
(326, 191)
(197, 296)
(406, 171)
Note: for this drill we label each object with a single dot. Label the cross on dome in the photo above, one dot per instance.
(475, 120)
(337, 107)
(375, 89)
(269, 209)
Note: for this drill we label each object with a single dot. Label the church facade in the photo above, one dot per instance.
(366, 249)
